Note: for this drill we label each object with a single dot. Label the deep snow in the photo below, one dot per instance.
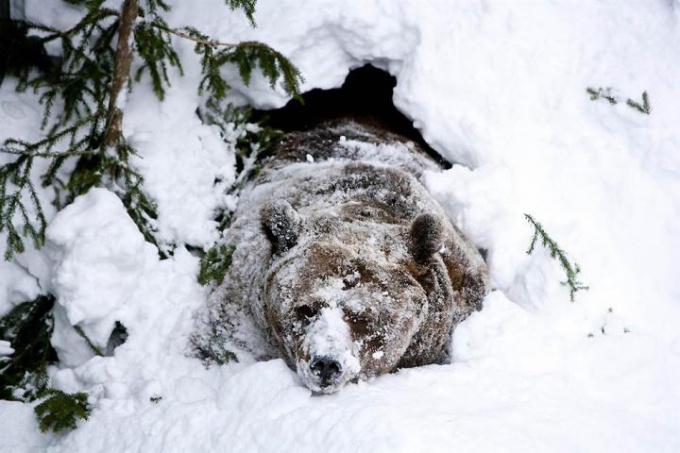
(499, 88)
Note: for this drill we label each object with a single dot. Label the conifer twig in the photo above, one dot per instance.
(605, 93)
(60, 411)
(643, 107)
(93, 347)
(205, 42)
(557, 253)
(49, 155)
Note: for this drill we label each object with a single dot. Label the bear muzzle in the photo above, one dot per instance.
(327, 359)
(326, 374)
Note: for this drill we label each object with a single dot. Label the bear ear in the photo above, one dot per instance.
(281, 224)
(427, 237)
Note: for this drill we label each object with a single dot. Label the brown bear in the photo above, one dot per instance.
(342, 262)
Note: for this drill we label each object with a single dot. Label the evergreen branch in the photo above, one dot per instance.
(604, 93)
(248, 7)
(15, 146)
(192, 34)
(154, 5)
(82, 116)
(211, 347)
(28, 327)
(645, 107)
(214, 265)
(49, 155)
(557, 253)
(95, 14)
(244, 55)
(141, 209)
(34, 26)
(154, 47)
(93, 347)
(12, 205)
(61, 411)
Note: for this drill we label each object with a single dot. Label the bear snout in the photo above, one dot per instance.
(326, 358)
(327, 373)
(327, 369)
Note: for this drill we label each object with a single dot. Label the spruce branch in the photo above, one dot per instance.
(212, 346)
(643, 107)
(60, 411)
(153, 6)
(19, 201)
(604, 93)
(571, 270)
(245, 55)
(93, 347)
(28, 327)
(248, 7)
(214, 265)
(193, 34)
(154, 47)
(82, 115)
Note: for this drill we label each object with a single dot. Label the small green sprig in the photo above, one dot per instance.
(214, 265)
(643, 107)
(96, 350)
(60, 411)
(604, 93)
(571, 270)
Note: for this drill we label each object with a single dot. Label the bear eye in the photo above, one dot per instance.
(358, 323)
(305, 312)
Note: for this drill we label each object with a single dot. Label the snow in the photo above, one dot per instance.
(497, 87)
(5, 348)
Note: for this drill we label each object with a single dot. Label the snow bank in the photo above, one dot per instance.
(498, 88)
(98, 258)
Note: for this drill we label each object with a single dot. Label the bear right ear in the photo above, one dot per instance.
(281, 224)
(427, 237)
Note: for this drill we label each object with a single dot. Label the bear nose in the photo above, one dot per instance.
(326, 368)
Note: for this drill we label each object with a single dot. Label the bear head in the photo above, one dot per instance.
(343, 296)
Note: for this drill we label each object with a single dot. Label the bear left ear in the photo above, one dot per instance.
(427, 237)
(281, 224)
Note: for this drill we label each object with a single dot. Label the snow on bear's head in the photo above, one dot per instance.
(340, 297)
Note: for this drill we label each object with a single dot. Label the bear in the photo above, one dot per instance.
(342, 263)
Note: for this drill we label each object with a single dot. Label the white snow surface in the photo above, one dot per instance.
(499, 88)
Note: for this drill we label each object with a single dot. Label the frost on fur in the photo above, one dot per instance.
(343, 264)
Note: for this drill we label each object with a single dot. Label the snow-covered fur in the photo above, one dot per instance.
(342, 262)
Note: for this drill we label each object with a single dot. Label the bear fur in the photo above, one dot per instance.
(342, 263)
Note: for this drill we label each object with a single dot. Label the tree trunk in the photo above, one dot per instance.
(121, 74)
